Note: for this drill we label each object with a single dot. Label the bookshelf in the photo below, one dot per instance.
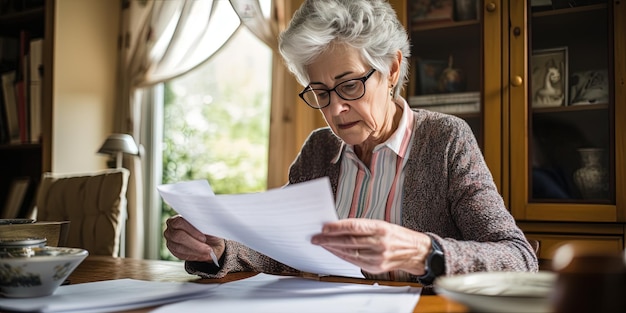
(23, 22)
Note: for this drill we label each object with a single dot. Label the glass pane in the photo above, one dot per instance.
(216, 121)
(570, 104)
(446, 69)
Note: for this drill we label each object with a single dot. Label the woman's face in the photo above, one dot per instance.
(354, 121)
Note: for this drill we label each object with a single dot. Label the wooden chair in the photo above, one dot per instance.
(94, 203)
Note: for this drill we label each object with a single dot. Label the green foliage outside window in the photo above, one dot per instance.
(216, 122)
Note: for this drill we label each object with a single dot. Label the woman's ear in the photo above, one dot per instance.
(394, 69)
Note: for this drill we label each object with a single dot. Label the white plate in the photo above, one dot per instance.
(500, 291)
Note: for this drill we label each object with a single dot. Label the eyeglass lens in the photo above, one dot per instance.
(348, 90)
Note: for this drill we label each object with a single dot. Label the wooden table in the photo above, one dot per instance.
(99, 268)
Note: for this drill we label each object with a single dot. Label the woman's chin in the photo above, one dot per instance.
(352, 138)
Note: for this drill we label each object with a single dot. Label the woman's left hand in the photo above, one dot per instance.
(375, 246)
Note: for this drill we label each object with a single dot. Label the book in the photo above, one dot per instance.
(21, 87)
(10, 106)
(16, 197)
(8, 53)
(445, 98)
(35, 77)
(4, 135)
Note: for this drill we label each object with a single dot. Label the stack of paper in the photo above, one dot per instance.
(260, 293)
(107, 296)
(276, 294)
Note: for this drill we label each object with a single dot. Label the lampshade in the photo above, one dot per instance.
(118, 144)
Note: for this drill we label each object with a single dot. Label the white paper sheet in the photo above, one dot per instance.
(108, 296)
(276, 294)
(278, 223)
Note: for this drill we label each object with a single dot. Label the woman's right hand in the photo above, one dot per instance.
(187, 243)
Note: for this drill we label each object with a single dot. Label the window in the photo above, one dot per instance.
(216, 122)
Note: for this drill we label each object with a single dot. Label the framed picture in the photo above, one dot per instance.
(589, 87)
(429, 74)
(549, 77)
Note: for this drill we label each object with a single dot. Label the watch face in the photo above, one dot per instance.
(437, 263)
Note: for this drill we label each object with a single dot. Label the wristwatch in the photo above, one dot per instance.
(435, 264)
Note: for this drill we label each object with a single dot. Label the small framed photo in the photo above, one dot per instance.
(429, 75)
(549, 78)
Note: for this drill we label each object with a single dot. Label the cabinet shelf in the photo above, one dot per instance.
(585, 9)
(464, 33)
(445, 26)
(24, 146)
(572, 108)
(31, 19)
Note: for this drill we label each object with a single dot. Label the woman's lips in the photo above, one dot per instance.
(347, 125)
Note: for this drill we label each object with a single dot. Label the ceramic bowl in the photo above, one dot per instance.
(36, 271)
(500, 292)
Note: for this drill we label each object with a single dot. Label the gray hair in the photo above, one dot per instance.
(370, 26)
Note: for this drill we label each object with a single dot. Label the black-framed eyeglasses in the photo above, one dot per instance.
(352, 89)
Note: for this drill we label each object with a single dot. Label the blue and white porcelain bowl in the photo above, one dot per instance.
(35, 271)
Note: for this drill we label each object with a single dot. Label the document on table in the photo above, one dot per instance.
(278, 223)
(108, 296)
(278, 294)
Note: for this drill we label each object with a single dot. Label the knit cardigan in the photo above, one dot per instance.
(448, 193)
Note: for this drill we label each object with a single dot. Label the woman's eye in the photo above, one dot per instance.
(321, 94)
(348, 86)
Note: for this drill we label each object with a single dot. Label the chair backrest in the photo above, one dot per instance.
(94, 203)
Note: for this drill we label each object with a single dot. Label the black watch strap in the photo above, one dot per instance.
(435, 264)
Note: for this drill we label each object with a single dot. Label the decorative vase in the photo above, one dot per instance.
(592, 178)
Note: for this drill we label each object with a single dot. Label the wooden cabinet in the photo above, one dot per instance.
(559, 124)
(31, 157)
(552, 91)
(456, 59)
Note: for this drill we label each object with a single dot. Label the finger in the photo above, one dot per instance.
(187, 243)
(353, 226)
(184, 246)
(190, 253)
(178, 223)
(366, 242)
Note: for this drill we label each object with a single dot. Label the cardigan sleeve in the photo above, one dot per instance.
(450, 194)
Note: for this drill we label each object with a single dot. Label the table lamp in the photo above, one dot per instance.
(116, 145)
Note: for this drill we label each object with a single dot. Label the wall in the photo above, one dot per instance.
(85, 62)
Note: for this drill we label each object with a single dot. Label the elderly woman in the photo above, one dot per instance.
(413, 193)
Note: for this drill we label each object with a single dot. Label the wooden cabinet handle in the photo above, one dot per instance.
(491, 6)
(517, 81)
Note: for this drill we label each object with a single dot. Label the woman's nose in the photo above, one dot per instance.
(337, 104)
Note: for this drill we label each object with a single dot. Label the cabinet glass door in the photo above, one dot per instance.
(454, 70)
(446, 53)
(567, 70)
(570, 103)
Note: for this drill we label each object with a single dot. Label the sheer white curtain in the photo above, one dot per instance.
(162, 39)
